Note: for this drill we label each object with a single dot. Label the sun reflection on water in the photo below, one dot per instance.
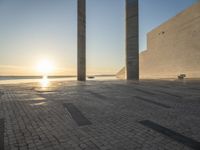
(45, 82)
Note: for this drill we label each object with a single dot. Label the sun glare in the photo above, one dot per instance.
(45, 67)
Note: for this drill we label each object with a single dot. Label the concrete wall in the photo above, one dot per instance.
(174, 47)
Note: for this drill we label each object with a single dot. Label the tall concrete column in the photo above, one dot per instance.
(81, 40)
(132, 40)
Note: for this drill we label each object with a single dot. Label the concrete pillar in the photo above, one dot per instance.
(132, 40)
(81, 40)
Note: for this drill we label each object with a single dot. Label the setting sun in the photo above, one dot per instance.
(45, 67)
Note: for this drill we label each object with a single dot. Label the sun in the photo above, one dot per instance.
(45, 67)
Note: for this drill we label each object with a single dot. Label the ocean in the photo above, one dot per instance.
(32, 79)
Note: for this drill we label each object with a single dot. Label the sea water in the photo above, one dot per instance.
(32, 79)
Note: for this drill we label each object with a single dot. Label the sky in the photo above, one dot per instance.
(34, 31)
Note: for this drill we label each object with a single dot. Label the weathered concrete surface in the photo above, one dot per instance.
(81, 40)
(174, 47)
(37, 120)
(132, 40)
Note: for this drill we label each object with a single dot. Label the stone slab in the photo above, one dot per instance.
(172, 134)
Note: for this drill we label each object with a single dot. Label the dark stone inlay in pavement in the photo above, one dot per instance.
(170, 94)
(97, 95)
(195, 89)
(152, 102)
(172, 134)
(144, 91)
(76, 114)
(1, 134)
(1, 94)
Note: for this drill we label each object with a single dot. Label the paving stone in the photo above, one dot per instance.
(37, 120)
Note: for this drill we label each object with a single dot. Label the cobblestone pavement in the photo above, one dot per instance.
(117, 112)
